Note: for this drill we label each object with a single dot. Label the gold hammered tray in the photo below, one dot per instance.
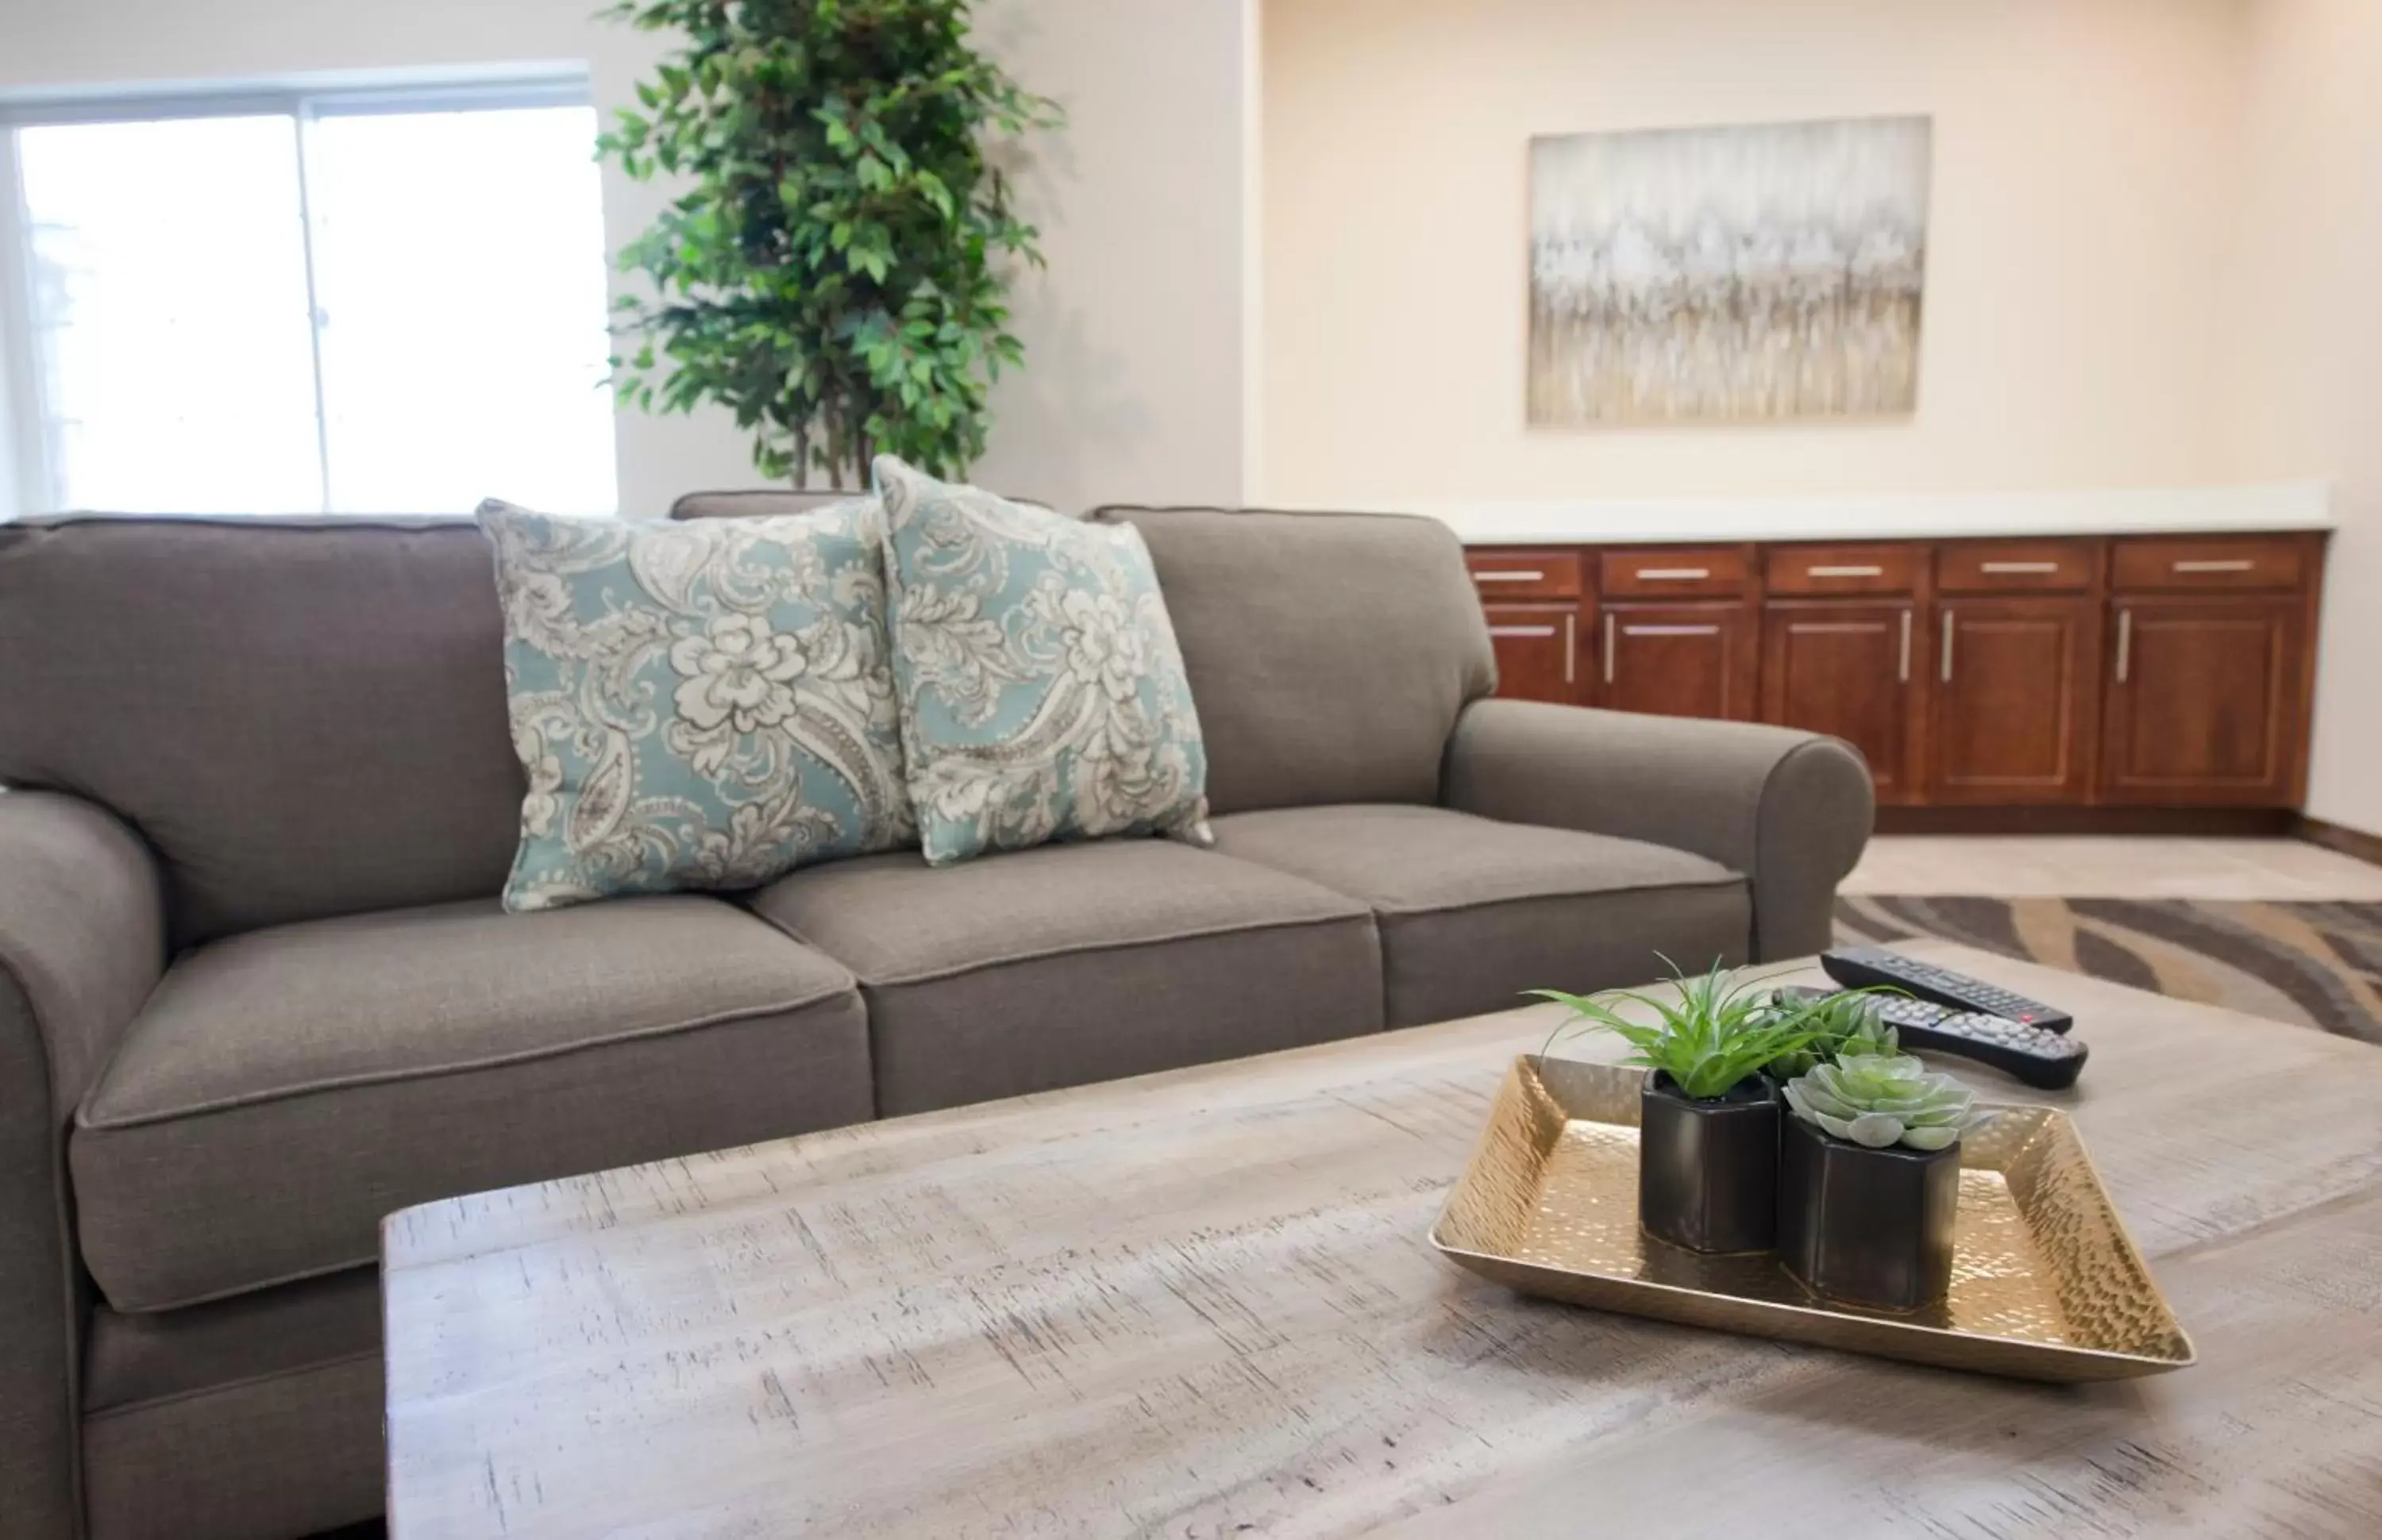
(2046, 1283)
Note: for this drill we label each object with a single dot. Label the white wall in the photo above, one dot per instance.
(1133, 345)
(2084, 165)
(2305, 375)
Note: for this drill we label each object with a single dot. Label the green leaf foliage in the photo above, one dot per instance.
(1710, 1033)
(1877, 1100)
(836, 272)
(1843, 1024)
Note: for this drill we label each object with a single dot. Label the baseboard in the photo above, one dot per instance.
(2334, 836)
(2232, 822)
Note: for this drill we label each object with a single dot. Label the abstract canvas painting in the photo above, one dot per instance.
(1724, 274)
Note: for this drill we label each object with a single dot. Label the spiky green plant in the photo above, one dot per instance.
(1845, 1024)
(1718, 1032)
(1879, 1100)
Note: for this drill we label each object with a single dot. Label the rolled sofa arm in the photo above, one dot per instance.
(82, 942)
(1790, 809)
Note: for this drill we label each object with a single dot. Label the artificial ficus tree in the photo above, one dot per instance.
(836, 272)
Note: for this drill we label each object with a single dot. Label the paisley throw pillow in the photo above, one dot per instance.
(699, 705)
(1042, 692)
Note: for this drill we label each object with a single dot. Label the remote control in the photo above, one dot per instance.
(2043, 1060)
(2040, 1058)
(1863, 967)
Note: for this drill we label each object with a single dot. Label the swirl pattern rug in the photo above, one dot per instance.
(2311, 964)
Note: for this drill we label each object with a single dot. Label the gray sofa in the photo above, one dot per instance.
(256, 991)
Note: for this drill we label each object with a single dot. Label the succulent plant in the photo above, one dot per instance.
(1843, 1025)
(1718, 1033)
(1879, 1100)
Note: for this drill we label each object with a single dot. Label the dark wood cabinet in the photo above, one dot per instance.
(1521, 577)
(1538, 651)
(2147, 672)
(2206, 701)
(2015, 698)
(2205, 564)
(1848, 669)
(1845, 570)
(1676, 660)
(2018, 566)
(1685, 572)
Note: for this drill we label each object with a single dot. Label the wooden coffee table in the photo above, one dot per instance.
(1203, 1305)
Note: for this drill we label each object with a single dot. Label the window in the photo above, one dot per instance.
(347, 302)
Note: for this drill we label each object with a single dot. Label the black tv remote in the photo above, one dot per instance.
(2043, 1060)
(1866, 966)
(2040, 1058)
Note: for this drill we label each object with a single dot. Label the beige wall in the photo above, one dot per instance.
(1134, 340)
(1134, 348)
(2084, 163)
(2302, 379)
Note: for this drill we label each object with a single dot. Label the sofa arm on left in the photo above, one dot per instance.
(1789, 810)
(82, 942)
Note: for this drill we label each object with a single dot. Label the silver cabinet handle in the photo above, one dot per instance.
(1514, 575)
(2235, 566)
(1670, 630)
(2016, 567)
(1672, 574)
(1946, 672)
(1608, 646)
(1571, 647)
(1522, 631)
(1844, 571)
(1903, 670)
(2125, 643)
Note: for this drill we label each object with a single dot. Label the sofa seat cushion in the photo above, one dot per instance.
(1072, 963)
(1473, 911)
(284, 1089)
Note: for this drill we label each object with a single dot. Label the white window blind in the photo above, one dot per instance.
(345, 302)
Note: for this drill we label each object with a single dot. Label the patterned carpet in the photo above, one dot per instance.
(2317, 965)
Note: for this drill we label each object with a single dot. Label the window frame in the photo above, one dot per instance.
(29, 479)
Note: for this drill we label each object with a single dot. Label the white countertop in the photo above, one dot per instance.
(2186, 510)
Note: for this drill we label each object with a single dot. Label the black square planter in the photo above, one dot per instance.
(1708, 1171)
(1863, 1227)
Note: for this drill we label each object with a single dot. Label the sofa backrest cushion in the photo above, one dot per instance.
(304, 717)
(765, 502)
(1329, 653)
(760, 502)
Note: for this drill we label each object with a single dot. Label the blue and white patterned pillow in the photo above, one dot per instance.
(1042, 692)
(698, 706)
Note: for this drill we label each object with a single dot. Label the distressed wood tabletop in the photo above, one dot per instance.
(1203, 1305)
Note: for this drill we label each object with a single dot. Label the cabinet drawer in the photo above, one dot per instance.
(1845, 569)
(1525, 574)
(2015, 567)
(1697, 659)
(1538, 651)
(2221, 562)
(1711, 570)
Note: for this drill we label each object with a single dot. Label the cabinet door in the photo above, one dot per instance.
(2017, 693)
(1846, 670)
(2204, 701)
(1538, 651)
(1678, 660)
